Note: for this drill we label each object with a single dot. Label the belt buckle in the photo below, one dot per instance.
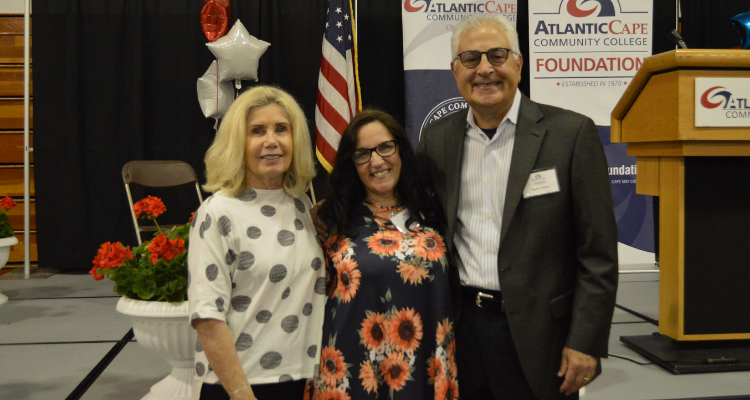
(479, 298)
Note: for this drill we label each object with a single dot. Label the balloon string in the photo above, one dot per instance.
(217, 94)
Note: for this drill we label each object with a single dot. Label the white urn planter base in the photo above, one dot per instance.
(164, 329)
(5, 245)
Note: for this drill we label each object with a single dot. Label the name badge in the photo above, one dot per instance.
(541, 181)
(400, 221)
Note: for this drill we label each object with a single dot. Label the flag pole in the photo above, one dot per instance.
(26, 146)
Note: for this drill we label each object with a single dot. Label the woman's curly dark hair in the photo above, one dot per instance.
(347, 192)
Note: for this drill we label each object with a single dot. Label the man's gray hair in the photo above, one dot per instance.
(480, 19)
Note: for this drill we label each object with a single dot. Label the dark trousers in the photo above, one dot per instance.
(294, 390)
(488, 366)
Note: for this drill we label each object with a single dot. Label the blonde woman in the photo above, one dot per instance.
(257, 286)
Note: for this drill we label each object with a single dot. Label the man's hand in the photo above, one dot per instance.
(577, 368)
(320, 228)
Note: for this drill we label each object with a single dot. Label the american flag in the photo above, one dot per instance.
(338, 83)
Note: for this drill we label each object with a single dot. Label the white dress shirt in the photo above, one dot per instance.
(484, 182)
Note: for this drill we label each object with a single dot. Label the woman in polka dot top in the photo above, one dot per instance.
(256, 276)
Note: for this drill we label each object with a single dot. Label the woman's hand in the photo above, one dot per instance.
(245, 394)
(320, 228)
(217, 342)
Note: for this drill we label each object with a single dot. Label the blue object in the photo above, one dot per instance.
(742, 23)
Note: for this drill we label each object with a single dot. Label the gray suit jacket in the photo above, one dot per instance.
(558, 252)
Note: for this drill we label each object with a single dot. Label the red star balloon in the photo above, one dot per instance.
(216, 15)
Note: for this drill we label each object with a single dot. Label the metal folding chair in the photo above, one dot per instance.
(156, 174)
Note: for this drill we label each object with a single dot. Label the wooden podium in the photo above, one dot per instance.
(702, 178)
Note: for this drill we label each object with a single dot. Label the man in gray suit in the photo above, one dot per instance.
(530, 225)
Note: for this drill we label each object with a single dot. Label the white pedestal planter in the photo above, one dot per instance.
(5, 245)
(164, 329)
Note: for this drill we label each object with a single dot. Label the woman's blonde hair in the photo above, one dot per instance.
(225, 159)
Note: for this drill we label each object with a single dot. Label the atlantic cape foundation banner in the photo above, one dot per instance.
(582, 55)
(431, 91)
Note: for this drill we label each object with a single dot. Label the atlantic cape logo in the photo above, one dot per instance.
(430, 6)
(606, 8)
(725, 95)
(722, 102)
(410, 7)
(588, 27)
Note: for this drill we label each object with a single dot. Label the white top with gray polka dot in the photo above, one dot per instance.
(255, 262)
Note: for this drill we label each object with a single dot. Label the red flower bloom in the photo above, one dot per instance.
(151, 206)
(96, 276)
(176, 247)
(160, 246)
(7, 203)
(192, 215)
(111, 255)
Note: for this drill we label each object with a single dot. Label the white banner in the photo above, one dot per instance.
(583, 53)
(722, 102)
(430, 88)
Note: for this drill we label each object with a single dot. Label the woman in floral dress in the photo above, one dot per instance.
(388, 331)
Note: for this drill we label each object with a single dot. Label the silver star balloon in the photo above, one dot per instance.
(214, 96)
(238, 53)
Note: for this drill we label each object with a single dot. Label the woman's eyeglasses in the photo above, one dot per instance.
(385, 149)
(496, 56)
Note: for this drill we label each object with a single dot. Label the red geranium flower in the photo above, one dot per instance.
(111, 255)
(192, 215)
(98, 277)
(161, 246)
(7, 203)
(150, 206)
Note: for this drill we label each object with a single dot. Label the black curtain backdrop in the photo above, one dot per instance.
(706, 25)
(115, 81)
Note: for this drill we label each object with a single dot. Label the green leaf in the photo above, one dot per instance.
(145, 289)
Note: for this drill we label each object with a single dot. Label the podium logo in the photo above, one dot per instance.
(606, 8)
(724, 94)
(409, 5)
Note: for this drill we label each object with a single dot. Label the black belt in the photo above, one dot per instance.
(483, 298)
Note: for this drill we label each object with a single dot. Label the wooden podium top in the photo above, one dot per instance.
(714, 62)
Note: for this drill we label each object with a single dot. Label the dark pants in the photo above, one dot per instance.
(273, 391)
(488, 366)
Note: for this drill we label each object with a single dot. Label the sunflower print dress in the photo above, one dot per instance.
(387, 332)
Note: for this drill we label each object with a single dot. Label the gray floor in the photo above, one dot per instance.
(54, 331)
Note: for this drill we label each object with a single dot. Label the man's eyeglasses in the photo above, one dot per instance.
(496, 56)
(385, 149)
